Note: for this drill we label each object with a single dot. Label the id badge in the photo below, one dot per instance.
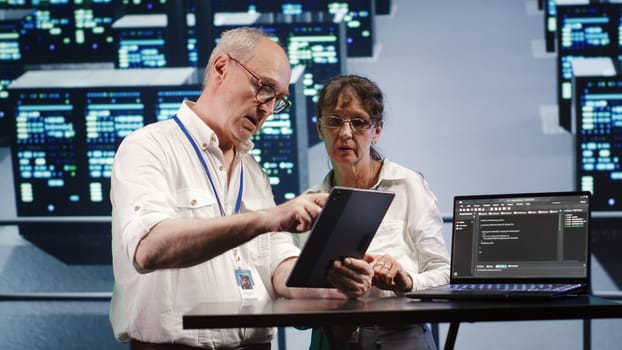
(246, 284)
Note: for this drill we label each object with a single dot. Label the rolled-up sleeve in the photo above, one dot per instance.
(138, 193)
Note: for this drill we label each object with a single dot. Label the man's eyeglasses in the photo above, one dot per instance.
(265, 93)
(357, 124)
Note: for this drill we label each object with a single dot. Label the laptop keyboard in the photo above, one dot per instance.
(518, 287)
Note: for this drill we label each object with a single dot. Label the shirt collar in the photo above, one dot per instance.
(391, 171)
(388, 171)
(203, 135)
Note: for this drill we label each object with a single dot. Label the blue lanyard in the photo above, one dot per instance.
(238, 202)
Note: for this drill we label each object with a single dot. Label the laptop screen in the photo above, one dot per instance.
(516, 237)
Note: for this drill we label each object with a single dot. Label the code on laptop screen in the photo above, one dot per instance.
(521, 236)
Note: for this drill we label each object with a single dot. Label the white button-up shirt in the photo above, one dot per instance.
(411, 230)
(158, 175)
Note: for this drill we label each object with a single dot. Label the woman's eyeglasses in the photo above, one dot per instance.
(357, 124)
(265, 93)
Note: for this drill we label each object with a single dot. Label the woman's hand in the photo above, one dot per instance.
(389, 274)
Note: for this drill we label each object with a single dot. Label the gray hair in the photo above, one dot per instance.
(239, 42)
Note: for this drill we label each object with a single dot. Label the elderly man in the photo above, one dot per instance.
(193, 212)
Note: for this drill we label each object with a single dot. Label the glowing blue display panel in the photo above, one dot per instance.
(599, 140)
(358, 16)
(582, 31)
(141, 48)
(168, 100)
(360, 22)
(320, 48)
(77, 32)
(10, 52)
(49, 178)
(141, 41)
(65, 140)
(68, 32)
(10, 61)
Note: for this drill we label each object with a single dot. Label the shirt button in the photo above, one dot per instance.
(136, 207)
(204, 145)
(193, 202)
(221, 168)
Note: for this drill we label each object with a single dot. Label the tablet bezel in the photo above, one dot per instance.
(344, 228)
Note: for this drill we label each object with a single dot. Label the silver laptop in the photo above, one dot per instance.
(518, 246)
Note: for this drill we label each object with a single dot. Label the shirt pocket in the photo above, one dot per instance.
(254, 202)
(260, 245)
(196, 204)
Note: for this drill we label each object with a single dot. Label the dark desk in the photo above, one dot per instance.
(322, 312)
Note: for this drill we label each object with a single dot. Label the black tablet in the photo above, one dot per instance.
(344, 228)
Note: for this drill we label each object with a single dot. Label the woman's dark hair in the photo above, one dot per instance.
(367, 91)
